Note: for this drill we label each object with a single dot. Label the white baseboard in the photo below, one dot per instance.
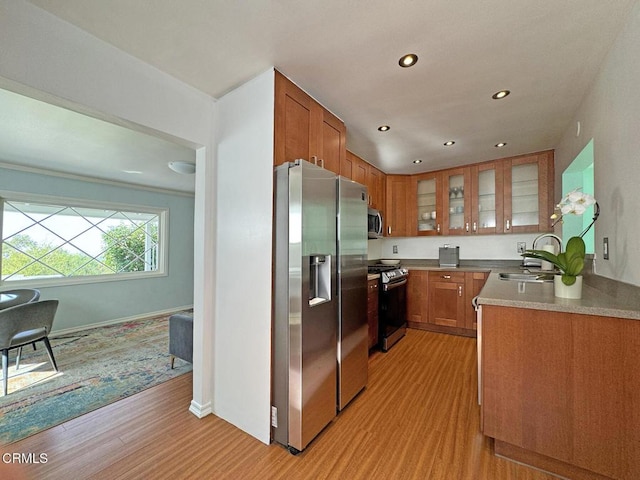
(142, 316)
(200, 410)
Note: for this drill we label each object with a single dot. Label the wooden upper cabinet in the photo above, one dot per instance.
(398, 206)
(331, 148)
(456, 201)
(528, 193)
(426, 193)
(354, 168)
(305, 129)
(487, 204)
(376, 181)
(293, 137)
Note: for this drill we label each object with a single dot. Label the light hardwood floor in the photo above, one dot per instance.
(417, 419)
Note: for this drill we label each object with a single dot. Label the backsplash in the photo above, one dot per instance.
(472, 247)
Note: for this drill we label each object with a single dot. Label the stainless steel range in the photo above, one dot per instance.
(392, 321)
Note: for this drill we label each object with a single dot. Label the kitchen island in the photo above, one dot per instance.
(559, 379)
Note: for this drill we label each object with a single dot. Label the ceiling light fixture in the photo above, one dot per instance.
(417, 161)
(408, 60)
(384, 128)
(449, 143)
(500, 94)
(133, 172)
(500, 145)
(185, 168)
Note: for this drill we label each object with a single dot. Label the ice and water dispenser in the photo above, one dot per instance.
(319, 279)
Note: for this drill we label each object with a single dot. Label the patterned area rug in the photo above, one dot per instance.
(96, 367)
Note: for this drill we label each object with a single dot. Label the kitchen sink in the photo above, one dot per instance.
(527, 277)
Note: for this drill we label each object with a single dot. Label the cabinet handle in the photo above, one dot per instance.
(459, 290)
(446, 277)
(466, 226)
(508, 225)
(389, 230)
(321, 161)
(314, 159)
(475, 227)
(438, 228)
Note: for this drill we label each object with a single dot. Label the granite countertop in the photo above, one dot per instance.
(539, 296)
(465, 265)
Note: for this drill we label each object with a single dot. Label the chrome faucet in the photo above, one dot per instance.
(530, 262)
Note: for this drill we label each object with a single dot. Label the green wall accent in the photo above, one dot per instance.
(579, 174)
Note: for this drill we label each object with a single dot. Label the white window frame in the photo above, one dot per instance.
(163, 240)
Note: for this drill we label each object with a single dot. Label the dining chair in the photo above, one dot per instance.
(23, 324)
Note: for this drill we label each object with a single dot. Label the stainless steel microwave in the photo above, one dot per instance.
(374, 223)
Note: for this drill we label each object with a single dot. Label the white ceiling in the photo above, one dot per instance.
(40, 135)
(345, 53)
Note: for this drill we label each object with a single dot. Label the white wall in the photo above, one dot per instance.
(93, 303)
(245, 212)
(475, 247)
(50, 59)
(610, 114)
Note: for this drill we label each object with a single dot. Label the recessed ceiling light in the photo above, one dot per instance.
(384, 128)
(184, 168)
(132, 172)
(449, 143)
(408, 60)
(500, 94)
(500, 145)
(417, 161)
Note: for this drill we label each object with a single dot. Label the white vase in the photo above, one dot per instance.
(567, 291)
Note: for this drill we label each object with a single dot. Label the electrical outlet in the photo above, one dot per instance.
(605, 248)
(395, 249)
(522, 246)
(274, 416)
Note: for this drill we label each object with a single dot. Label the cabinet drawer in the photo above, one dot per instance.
(446, 276)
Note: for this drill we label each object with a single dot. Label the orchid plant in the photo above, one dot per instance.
(571, 261)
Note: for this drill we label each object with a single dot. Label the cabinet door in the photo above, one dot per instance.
(376, 183)
(487, 198)
(397, 210)
(372, 312)
(354, 168)
(427, 189)
(528, 181)
(447, 299)
(331, 132)
(456, 201)
(293, 136)
(474, 281)
(418, 296)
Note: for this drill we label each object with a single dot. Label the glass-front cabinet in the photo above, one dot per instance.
(527, 201)
(429, 208)
(456, 203)
(510, 195)
(486, 198)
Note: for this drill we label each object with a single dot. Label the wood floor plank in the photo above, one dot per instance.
(417, 419)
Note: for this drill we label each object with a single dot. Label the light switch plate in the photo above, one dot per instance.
(605, 248)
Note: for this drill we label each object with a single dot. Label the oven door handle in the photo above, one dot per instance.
(390, 286)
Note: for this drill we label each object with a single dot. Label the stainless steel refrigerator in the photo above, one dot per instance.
(305, 304)
(353, 330)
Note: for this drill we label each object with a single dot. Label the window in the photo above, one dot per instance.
(61, 242)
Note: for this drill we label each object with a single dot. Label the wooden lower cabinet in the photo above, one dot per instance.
(372, 312)
(440, 301)
(561, 391)
(447, 299)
